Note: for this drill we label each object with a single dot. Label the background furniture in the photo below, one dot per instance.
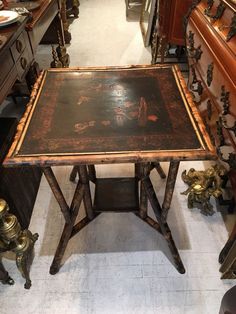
(228, 257)
(133, 8)
(169, 29)
(72, 8)
(212, 77)
(228, 303)
(16, 55)
(19, 43)
(49, 18)
(211, 49)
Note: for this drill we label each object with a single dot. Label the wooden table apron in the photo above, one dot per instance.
(87, 116)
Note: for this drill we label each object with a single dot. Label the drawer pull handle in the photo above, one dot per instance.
(231, 158)
(19, 45)
(219, 130)
(209, 109)
(23, 63)
(210, 73)
(224, 98)
(229, 123)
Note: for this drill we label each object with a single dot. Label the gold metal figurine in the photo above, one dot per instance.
(203, 185)
(21, 242)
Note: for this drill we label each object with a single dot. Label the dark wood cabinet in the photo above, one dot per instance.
(169, 25)
(212, 69)
(211, 49)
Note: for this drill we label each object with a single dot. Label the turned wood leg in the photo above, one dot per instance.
(67, 34)
(162, 223)
(170, 185)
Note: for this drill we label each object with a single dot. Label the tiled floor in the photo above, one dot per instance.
(118, 265)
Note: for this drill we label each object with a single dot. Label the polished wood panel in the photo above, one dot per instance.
(169, 26)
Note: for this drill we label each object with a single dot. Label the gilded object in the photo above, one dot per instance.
(203, 185)
(12, 238)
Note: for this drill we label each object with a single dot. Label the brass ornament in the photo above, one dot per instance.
(210, 69)
(203, 185)
(21, 242)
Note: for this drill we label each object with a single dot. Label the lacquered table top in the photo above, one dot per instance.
(109, 111)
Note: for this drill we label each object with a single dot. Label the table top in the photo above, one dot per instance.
(112, 114)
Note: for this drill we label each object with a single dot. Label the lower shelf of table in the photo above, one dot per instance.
(116, 195)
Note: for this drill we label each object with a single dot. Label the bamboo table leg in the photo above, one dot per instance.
(73, 174)
(162, 224)
(170, 185)
(84, 178)
(92, 173)
(143, 206)
(70, 213)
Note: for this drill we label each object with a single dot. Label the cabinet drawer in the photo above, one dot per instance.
(18, 46)
(6, 66)
(23, 64)
(223, 24)
(216, 65)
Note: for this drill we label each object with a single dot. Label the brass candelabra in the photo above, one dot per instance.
(21, 242)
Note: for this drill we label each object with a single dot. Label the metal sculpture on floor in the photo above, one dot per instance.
(21, 242)
(203, 185)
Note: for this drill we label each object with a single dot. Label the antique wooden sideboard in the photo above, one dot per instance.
(15, 55)
(19, 41)
(18, 44)
(211, 49)
(169, 26)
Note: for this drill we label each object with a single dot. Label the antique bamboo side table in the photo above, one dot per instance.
(86, 116)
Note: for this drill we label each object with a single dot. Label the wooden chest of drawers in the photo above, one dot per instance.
(211, 49)
(15, 56)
